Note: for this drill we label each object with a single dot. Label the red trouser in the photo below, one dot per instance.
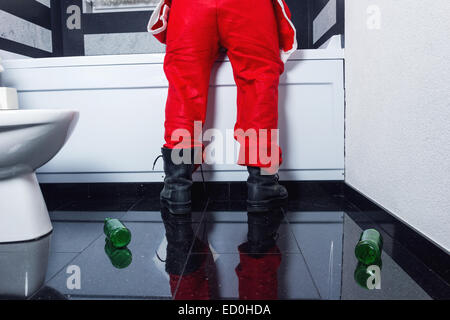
(248, 30)
(258, 276)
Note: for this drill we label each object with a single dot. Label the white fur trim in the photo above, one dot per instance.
(155, 17)
(286, 54)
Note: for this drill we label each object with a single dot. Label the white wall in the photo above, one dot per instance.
(398, 110)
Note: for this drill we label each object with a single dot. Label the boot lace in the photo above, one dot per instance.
(156, 160)
(205, 190)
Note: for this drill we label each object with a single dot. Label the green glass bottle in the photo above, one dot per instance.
(119, 257)
(368, 249)
(362, 273)
(117, 233)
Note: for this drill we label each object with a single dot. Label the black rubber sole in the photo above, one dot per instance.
(266, 205)
(177, 207)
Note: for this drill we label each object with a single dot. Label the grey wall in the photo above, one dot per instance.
(121, 43)
(398, 109)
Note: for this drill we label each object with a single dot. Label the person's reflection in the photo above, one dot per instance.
(260, 257)
(187, 272)
(257, 271)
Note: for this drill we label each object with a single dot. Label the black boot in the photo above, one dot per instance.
(176, 194)
(180, 241)
(264, 191)
(262, 231)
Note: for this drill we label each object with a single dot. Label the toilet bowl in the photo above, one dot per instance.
(28, 140)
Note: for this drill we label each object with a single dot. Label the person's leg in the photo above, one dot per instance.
(192, 47)
(249, 30)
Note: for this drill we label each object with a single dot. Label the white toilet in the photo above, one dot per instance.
(28, 140)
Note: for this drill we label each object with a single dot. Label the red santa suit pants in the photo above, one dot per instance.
(248, 30)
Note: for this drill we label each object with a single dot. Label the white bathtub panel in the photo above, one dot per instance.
(151, 76)
(120, 129)
(86, 77)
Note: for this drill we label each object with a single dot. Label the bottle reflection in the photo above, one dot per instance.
(368, 276)
(120, 257)
(190, 270)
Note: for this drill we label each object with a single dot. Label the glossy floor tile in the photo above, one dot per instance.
(299, 252)
(144, 277)
(396, 283)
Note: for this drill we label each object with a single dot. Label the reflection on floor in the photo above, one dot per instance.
(285, 254)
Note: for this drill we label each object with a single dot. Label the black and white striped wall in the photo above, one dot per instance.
(317, 21)
(327, 20)
(117, 32)
(41, 28)
(98, 33)
(25, 29)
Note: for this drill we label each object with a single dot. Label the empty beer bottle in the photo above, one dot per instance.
(119, 257)
(117, 233)
(368, 249)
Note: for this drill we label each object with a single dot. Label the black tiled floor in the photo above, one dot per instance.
(147, 204)
(312, 257)
(435, 285)
(422, 249)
